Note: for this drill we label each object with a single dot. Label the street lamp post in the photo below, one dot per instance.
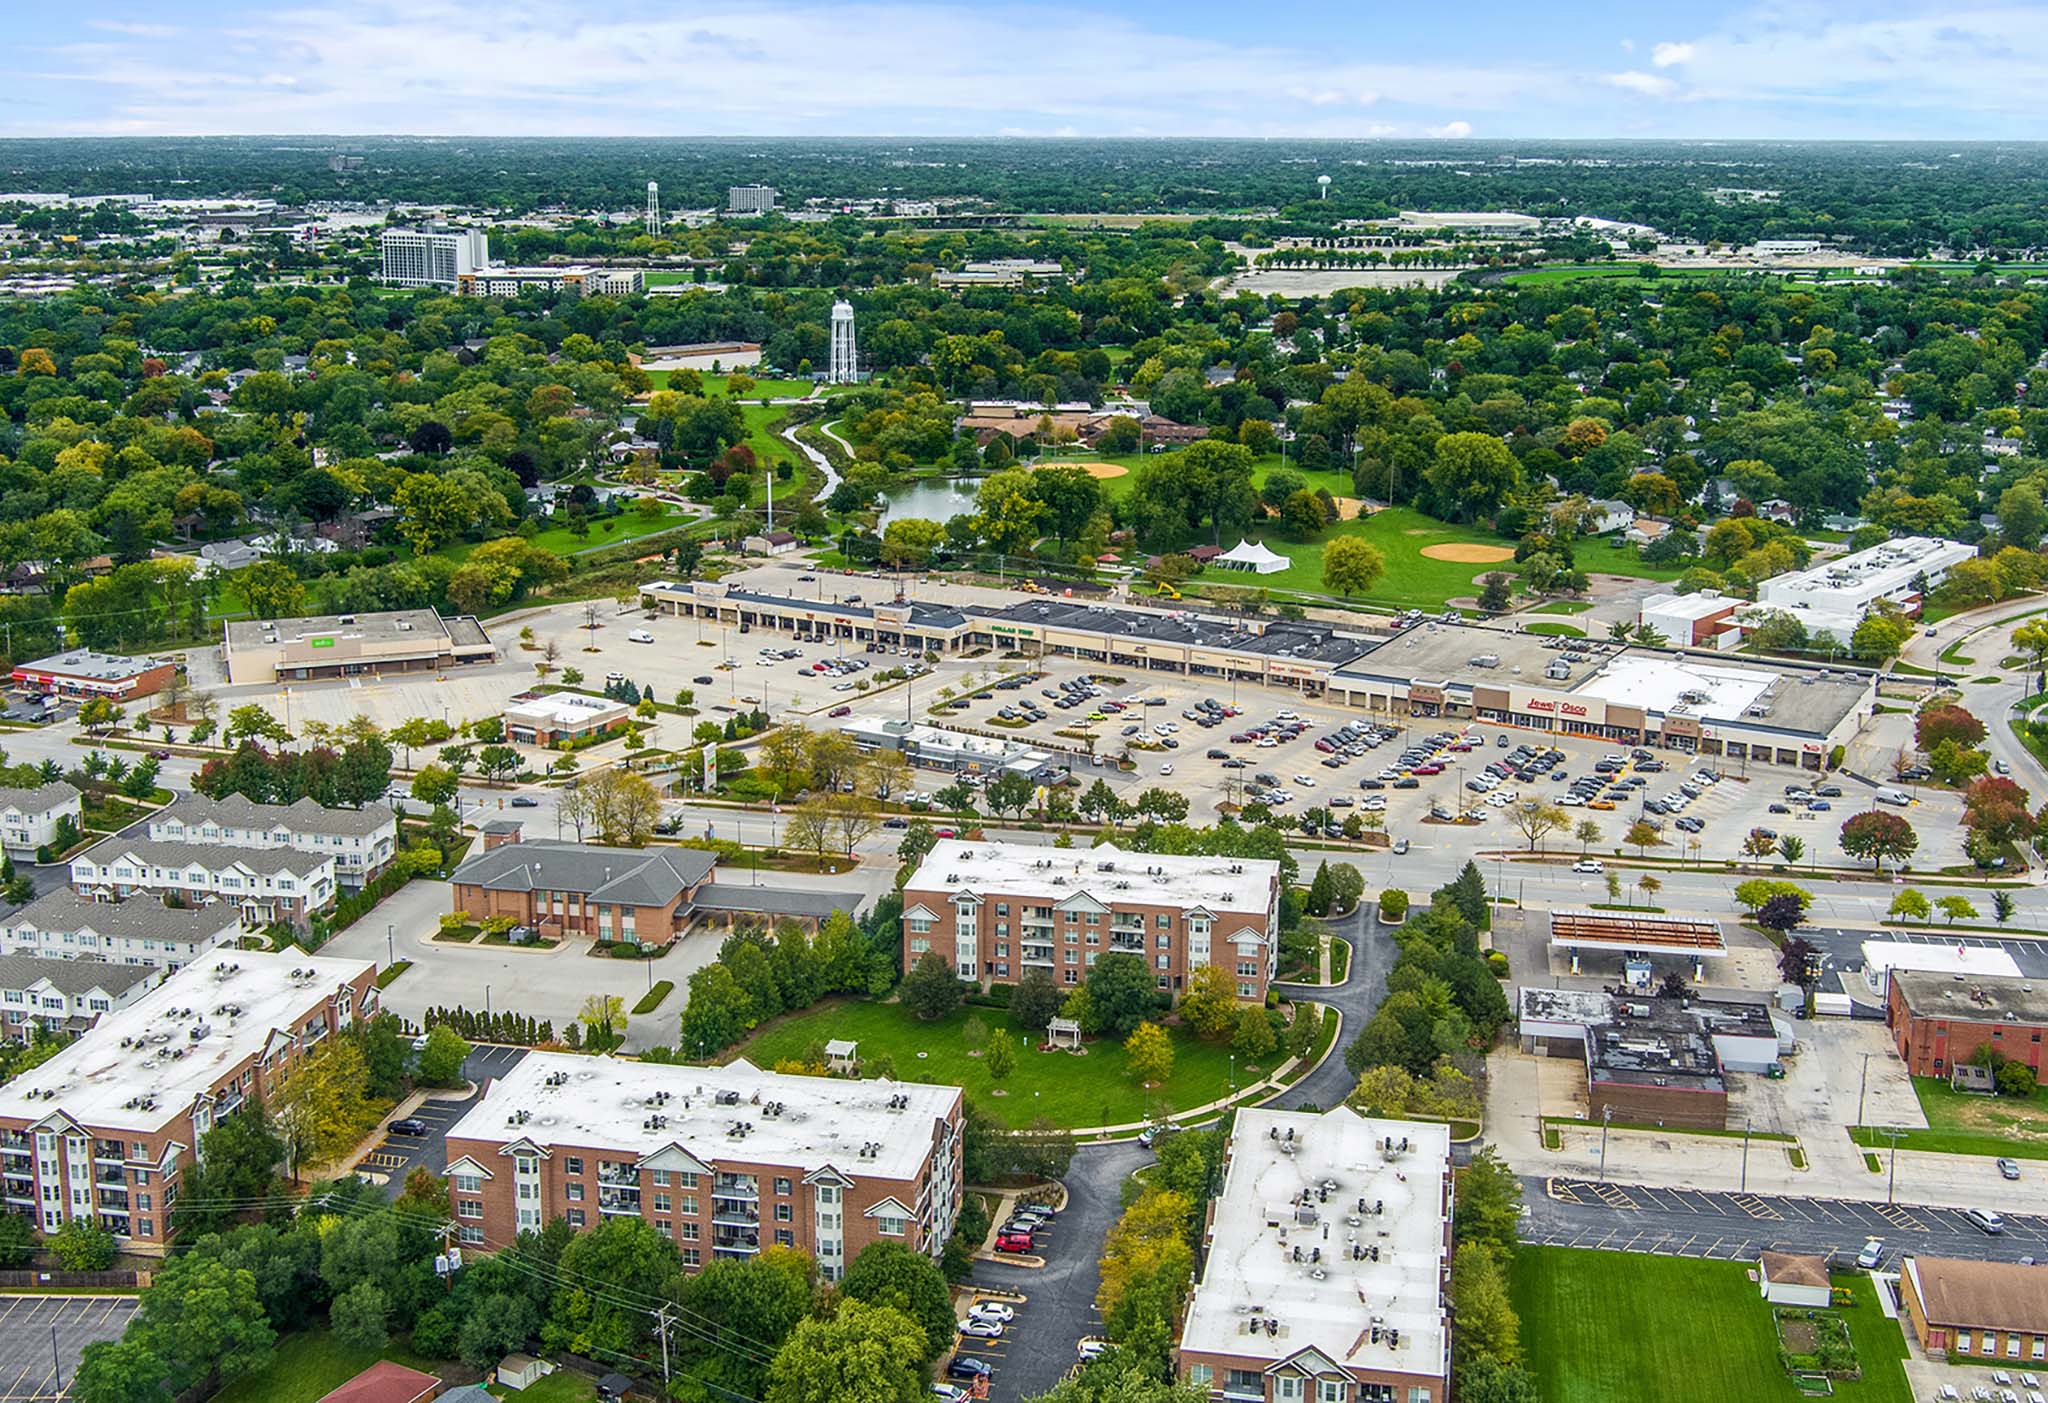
(1862, 1085)
(1742, 1184)
(390, 945)
(1606, 1119)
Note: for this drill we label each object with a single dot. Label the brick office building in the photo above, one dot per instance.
(635, 895)
(1938, 1022)
(724, 1160)
(998, 909)
(1983, 1312)
(103, 1130)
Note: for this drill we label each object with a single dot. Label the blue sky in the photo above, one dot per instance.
(1885, 69)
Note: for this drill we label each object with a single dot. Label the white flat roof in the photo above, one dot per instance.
(566, 709)
(1108, 874)
(604, 1103)
(1338, 1162)
(1853, 581)
(1883, 956)
(1690, 606)
(95, 1080)
(1660, 683)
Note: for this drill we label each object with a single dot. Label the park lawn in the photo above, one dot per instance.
(307, 1366)
(762, 423)
(1576, 272)
(768, 388)
(1618, 1327)
(1068, 1090)
(1553, 630)
(1412, 580)
(669, 280)
(628, 526)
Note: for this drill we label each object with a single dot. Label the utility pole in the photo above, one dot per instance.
(1894, 1134)
(1606, 1119)
(661, 1327)
(1742, 1185)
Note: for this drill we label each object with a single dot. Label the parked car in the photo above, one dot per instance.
(639, 635)
(992, 1310)
(1588, 864)
(1985, 1220)
(412, 1125)
(1014, 1242)
(967, 1367)
(982, 1329)
(1872, 1253)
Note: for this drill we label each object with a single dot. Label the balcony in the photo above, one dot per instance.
(1037, 954)
(105, 1175)
(736, 1186)
(108, 1151)
(1131, 942)
(743, 1243)
(735, 1212)
(625, 1177)
(619, 1201)
(115, 1200)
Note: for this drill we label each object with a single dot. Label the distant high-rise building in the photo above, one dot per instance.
(343, 165)
(845, 355)
(653, 209)
(432, 257)
(750, 199)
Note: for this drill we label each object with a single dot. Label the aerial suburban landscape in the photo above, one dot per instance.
(1308, 725)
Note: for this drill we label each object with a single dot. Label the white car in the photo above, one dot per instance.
(1305, 781)
(1267, 742)
(640, 635)
(1374, 805)
(991, 1310)
(1090, 1349)
(1588, 864)
(1284, 715)
(985, 1329)
(1572, 801)
(1166, 769)
(1498, 801)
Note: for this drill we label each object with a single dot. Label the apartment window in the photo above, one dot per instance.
(920, 925)
(575, 1217)
(782, 1186)
(469, 1208)
(2012, 1346)
(575, 1193)
(527, 1164)
(1164, 942)
(687, 1205)
(469, 1183)
(689, 1232)
(1287, 1388)
(1163, 922)
(660, 1177)
(1201, 1374)
(664, 1229)
(1962, 1341)
(1094, 918)
(472, 1237)
(784, 1238)
(1073, 976)
(661, 1203)
(1162, 981)
(1073, 938)
(889, 1225)
(686, 1180)
(2040, 1345)
(1002, 908)
(1163, 962)
(571, 1164)
(1002, 946)
(783, 1213)
(1330, 1391)
(145, 1228)
(692, 1257)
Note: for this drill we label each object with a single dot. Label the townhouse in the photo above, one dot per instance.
(362, 841)
(29, 817)
(65, 926)
(66, 996)
(264, 884)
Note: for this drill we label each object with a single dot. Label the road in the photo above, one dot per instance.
(1365, 984)
(1735, 1226)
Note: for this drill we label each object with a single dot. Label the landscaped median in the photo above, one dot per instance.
(1552, 1125)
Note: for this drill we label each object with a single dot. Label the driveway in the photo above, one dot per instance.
(1365, 984)
(1058, 1310)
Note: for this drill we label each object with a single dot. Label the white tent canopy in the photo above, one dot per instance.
(1253, 556)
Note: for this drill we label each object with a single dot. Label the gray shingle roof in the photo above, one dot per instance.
(212, 856)
(776, 901)
(72, 977)
(41, 799)
(303, 816)
(625, 876)
(141, 917)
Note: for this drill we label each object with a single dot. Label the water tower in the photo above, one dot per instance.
(653, 209)
(845, 358)
(1323, 184)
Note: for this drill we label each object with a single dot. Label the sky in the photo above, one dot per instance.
(1579, 69)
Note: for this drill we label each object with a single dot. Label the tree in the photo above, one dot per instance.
(1118, 994)
(17, 1241)
(271, 590)
(204, 1318)
(1010, 792)
(1936, 724)
(359, 1318)
(1469, 476)
(1254, 1039)
(1792, 847)
(603, 1016)
(237, 1165)
(1643, 835)
(860, 1354)
(891, 1274)
(1035, 1000)
(435, 784)
(931, 989)
(1877, 837)
(1956, 764)
(1489, 1203)
(120, 1371)
(252, 722)
(1880, 636)
(442, 1058)
(1496, 589)
(1348, 886)
(322, 1107)
(1148, 1053)
(1995, 810)
(496, 1325)
(1352, 565)
(634, 1262)
(82, 1245)
(1208, 1003)
(1488, 1327)
(1321, 892)
(1001, 1056)
(497, 761)
(1165, 805)
(1957, 908)
(1588, 833)
(1781, 913)
(1910, 905)
(1536, 820)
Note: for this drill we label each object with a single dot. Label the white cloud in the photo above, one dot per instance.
(1670, 55)
(1648, 84)
(133, 28)
(1453, 131)
(1628, 46)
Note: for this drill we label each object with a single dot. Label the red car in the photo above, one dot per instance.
(1427, 770)
(840, 711)
(942, 832)
(1014, 1242)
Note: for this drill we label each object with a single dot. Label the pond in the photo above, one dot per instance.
(934, 499)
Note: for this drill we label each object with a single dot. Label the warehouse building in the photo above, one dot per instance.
(1939, 1022)
(351, 645)
(1831, 598)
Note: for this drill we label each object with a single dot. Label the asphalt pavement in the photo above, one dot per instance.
(398, 1155)
(1365, 984)
(1737, 1226)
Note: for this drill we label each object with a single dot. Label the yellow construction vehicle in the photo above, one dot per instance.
(1168, 590)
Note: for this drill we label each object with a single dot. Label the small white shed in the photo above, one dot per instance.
(1793, 1279)
(517, 1371)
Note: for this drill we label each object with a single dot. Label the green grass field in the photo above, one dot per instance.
(1547, 630)
(1069, 1090)
(1562, 606)
(669, 279)
(630, 526)
(1616, 1327)
(1576, 272)
(1959, 1123)
(307, 1366)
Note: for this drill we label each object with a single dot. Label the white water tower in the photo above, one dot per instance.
(844, 366)
(1323, 184)
(653, 209)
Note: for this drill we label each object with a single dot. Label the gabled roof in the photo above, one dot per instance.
(210, 857)
(72, 977)
(40, 800)
(142, 918)
(304, 816)
(624, 876)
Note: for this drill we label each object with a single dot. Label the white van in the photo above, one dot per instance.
(1894, 796)
(640, 635)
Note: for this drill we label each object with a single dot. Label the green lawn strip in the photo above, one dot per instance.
(1340, 960)
(651, 1000)
(1071, 1091)
(1554, 630)
(1616, 1327)
(307, 1366)
(1577, 272)
(1965, 1124)
(562, 1386)
(1563, 606)
(391, 972)
(1760, 1136)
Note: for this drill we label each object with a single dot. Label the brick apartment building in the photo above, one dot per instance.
(997, 909)
(723, 1160)
(1938, 1021)
(1326, 1273)
(103, 1130)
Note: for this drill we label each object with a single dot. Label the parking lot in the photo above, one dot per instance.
(41, 1338)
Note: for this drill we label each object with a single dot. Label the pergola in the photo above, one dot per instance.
(842, 1055)
(1063, 1032)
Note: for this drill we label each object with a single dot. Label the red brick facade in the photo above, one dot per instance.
(1933, 1045)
